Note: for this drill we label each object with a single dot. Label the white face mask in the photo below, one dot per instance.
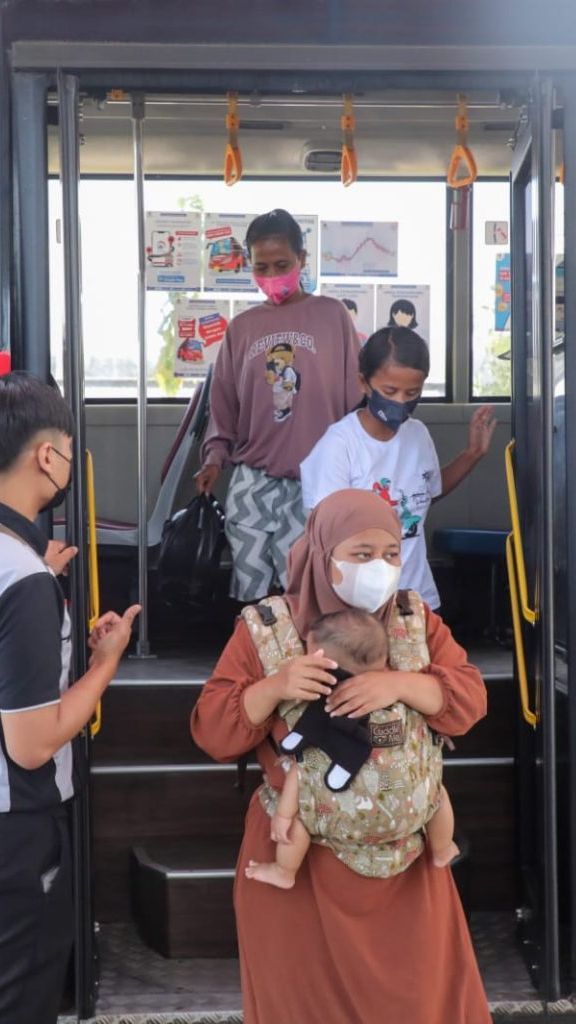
(367, 585)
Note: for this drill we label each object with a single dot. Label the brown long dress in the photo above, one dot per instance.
(339, 948)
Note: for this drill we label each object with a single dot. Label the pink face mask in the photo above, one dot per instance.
(280, 288)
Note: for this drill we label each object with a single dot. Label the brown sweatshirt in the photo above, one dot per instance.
(284, 374)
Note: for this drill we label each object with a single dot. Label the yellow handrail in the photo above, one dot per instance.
(93, 577)
(530, 614)
(530, 716)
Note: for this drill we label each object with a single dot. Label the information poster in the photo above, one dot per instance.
(359, 248)
(404, 305)
(226, 263)
(359, 301)
(309, 229)
(200, 329)
(173, 251)
(503, 294)
(496, 232)
(241, 305)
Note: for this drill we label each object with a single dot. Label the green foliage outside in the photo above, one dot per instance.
(492, 377)
(164, 369)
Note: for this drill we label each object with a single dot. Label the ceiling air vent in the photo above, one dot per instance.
(263, 126)
(323, 161)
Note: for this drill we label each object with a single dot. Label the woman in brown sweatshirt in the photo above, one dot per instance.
(287, 370)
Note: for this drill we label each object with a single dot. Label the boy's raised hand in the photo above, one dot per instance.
(109, 637)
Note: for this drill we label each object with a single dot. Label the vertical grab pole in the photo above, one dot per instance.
(142, 646)
(68, 103)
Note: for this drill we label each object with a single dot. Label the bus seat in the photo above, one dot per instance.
(490, 543)
(115, 534)
(486, 544)
(190, 432)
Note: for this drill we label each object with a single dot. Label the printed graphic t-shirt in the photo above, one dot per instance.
(283, 375)
(404, 471)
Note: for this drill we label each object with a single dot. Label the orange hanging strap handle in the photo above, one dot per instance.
(232, 155)
(462, 170)
(349, 163)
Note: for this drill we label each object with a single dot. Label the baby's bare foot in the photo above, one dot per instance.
(272, 874)
(442, 858)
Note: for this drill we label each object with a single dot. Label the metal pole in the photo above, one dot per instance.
(74, 391)
(6, 199)
(543, 327)
(142, 645)
(31, 202)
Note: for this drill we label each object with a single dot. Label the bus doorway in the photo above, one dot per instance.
(137, 787)
(543, 591)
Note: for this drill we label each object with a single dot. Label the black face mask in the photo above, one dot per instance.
(61, 492)
(392, 414)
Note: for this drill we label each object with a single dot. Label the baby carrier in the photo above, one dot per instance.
(374, 826)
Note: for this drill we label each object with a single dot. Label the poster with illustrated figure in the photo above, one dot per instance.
(404, 305)
(503, 293)
(226, 263)
(309, 228)
(359, 301)
(173, 251)
(358, 248)
(200, 327)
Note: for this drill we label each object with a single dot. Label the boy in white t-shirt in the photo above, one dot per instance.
(379, 447)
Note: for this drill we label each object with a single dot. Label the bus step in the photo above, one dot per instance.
(182, 896)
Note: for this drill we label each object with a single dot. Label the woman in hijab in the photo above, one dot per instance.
(339, 947)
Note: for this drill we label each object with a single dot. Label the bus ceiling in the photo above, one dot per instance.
(399, 132)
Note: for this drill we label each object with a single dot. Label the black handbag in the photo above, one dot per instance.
(190, 551)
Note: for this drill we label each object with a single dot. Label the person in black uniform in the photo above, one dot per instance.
(39, 715)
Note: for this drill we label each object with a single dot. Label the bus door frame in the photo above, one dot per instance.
(532, 267)
(85, 958)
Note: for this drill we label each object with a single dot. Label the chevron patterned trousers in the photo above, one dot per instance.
(264, 516)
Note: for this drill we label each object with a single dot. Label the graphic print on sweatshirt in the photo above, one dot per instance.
(283, 378)
(406, 505)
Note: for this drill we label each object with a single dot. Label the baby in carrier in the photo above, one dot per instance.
(358, 643)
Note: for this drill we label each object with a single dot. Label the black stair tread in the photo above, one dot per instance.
(493, 660)
(190, 853)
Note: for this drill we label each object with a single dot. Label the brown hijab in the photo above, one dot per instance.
(309, 593)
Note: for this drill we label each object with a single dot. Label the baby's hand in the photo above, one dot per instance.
(280, 829)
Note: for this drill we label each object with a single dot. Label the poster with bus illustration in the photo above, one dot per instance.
(200, 327)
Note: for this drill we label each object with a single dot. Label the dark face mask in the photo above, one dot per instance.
(61, 492)
(392, 414)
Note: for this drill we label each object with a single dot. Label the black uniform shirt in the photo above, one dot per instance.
(35, 650)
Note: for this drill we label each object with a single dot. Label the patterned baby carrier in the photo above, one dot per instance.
(375, 826)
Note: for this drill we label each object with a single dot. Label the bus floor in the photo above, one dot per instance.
(139, 986)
